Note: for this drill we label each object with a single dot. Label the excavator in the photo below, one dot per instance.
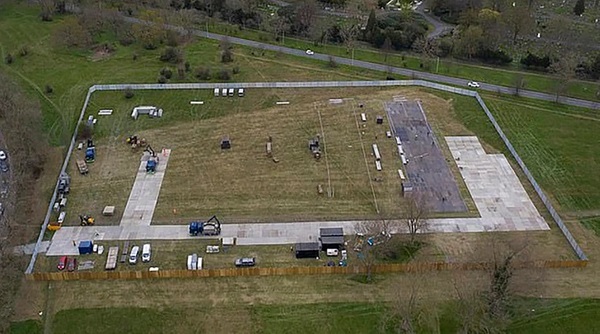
(209, 227)
(86, 220)
(152, 160)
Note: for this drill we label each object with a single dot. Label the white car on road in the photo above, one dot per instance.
(310, 52)
(473, 84)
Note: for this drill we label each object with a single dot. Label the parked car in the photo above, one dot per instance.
(71, 264)
(62, 263)
(146, 253)
(310, 52)
(245, 262)
(473, 84)
(133, 256)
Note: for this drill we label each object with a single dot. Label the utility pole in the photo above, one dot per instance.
(352, 56)
(437, 66)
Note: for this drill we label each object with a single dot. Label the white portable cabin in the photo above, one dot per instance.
(400, 150)
(142, 110)
(398, 141)
(404, 160)
(401, 174)
(224, 92)
(231, 91)
(241, 92)
(376, 152)
(363, 117)
(378, 165)
(189, 262)
(216, 92)
(199, 263)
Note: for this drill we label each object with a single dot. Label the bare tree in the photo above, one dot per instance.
(386, 49)
(519, 83)
(306, 14)
(415, 216)
(226, 53)
(518, 19)
(564, 68)
(369, 235)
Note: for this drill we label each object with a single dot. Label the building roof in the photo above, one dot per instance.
(331, 232)
(307, 246)
(335, 240)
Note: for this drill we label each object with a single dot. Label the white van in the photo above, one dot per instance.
(217, 92)
(231, 92)
(241, 92)
(133, 255)
(224, 92)
(146, 253)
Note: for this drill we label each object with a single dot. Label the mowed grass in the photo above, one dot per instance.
(26, 327)
(559, 146)
(535, 316)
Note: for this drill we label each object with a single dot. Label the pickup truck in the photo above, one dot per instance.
(82, 166)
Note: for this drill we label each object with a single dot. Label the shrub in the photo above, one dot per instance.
(236, 70)
(134, 56)
(8, 59)
(48, 89)
(224, 74)
(332, 63)
(162, 79)
(172, 38)
(172, 55)
(498, 57)
(188, 66)
(129, 93)
(126, 40)
(203, 73)
(534, 61)
(166, 72)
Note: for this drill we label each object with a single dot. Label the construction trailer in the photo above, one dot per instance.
(111, 258)
(331, 238)
(307, 250)
(82, 166)
(376, 152)
(146, 110)
(86, 247)
(407, 188)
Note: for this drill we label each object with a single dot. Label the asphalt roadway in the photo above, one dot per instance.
(383, 68)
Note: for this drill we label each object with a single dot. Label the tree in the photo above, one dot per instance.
(564, 69)
(305, 16)
(371, 25)
(519, 83)
(369, 235)
(518, 19)
(226, 53)
(415, 216)
(471, 41)
(386, 49)
(172, 55)
(150, 35)
(70, 33)
(579, 7)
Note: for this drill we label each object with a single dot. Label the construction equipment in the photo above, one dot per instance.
(64, 183)
(314, 147)
(90, 152)
(152, 162)
(209, 227)
(86, 220)
(54, 226)
(82, 167)
(135, 142)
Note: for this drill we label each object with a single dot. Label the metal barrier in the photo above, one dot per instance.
(310, 84)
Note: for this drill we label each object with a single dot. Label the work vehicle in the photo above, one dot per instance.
(86, 220)
(473, 84)
(3, 161)
(64, 183)
(71, 264)
(209, 227)
(82, 167)
(146, 253)
(245, 262)
(62, 263)
(90, 152)
(152, 162)
(133, 255)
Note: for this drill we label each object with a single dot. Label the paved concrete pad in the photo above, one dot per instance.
(144, 194)
(427, 169)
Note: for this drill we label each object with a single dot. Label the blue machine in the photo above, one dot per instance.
(90, 154)
(152, 160)
(206, 228)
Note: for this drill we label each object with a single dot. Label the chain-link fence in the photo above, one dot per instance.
(311, 84)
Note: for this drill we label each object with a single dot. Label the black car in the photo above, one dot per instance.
(245, 262)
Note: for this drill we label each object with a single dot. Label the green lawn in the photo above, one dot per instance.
(535, 316)
(26, 327)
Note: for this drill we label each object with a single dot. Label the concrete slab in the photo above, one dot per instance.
(144, 193)
(28, 249)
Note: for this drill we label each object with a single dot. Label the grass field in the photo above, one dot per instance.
(535, 316)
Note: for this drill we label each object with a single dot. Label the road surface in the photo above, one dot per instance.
(384, 68)
(439, 28)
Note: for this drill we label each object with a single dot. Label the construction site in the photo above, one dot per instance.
(260, 187)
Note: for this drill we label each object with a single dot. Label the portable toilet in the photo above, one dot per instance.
(224, 92)
(86, 247)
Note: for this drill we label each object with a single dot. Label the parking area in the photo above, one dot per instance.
(426, 169)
